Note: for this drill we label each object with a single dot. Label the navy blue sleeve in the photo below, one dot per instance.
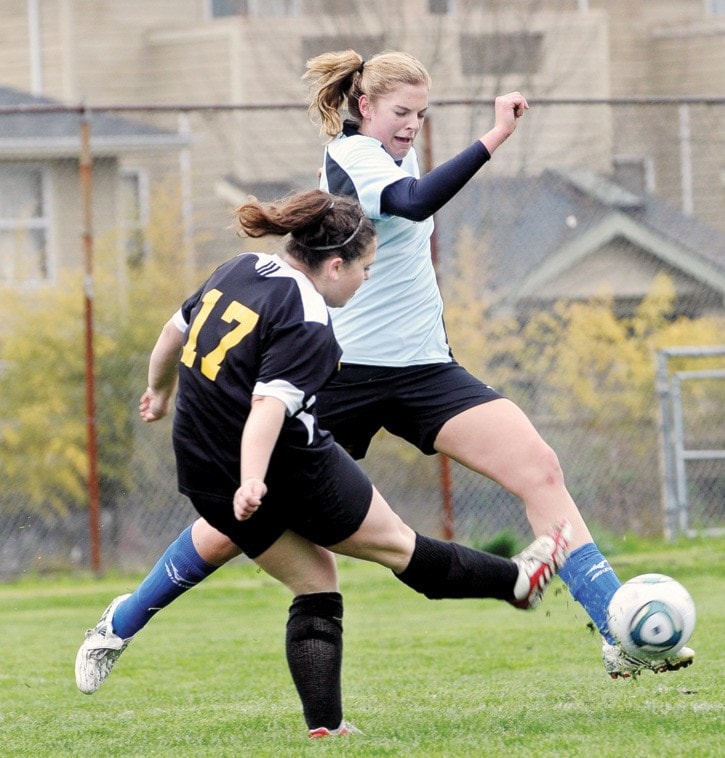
(418, 199)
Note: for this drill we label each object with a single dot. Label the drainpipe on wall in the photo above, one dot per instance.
(36, 62)
(688, 203)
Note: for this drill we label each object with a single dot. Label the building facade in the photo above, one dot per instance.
(252, 53)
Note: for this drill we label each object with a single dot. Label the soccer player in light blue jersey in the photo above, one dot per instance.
(398, 370)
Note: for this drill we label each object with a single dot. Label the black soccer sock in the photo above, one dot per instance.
(314, 656)
(440, 569)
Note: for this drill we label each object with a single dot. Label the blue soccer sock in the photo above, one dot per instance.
(179, 569)
(592, 582)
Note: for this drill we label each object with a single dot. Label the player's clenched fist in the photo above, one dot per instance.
(248, 498)
(509, 108)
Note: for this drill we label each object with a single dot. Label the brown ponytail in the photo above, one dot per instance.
(320, 225)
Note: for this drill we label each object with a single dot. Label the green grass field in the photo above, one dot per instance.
(208, 677)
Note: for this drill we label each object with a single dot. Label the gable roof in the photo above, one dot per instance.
(537, 229)
(42, 128)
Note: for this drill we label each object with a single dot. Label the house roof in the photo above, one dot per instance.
(41, 128)
(537, 229)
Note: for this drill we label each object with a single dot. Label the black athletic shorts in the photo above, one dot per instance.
(412, 402)
(322, 496)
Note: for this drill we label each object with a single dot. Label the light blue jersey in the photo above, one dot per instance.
(396, 317)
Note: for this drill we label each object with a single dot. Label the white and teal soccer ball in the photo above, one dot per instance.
(651, 616)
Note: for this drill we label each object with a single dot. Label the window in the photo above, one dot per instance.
(134, 214)
(634, 172)
(440, 7)
(501, 54)
(221, 8)
(23, 223)
(329, 7)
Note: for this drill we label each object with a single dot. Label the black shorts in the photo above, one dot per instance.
(323, 497)
(412, 402)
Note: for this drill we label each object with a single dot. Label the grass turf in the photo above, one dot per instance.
(421, 678)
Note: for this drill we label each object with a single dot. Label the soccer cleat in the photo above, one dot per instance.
(619, 664)
(539, 563)
(100, 651)
(345, 729)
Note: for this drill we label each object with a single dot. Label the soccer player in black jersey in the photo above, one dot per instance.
(250, 348)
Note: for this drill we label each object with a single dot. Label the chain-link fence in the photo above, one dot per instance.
(593, 238)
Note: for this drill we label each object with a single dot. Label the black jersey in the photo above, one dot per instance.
(256, 326)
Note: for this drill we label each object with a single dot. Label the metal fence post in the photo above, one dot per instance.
(669, 493)
(86, 178)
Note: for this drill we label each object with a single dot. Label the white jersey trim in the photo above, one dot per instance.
(179, 321)
(285, 392)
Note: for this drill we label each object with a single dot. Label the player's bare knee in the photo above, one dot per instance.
(543, 473)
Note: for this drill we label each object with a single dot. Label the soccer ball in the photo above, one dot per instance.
(651, 616)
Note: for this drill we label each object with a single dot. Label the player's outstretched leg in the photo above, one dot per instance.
(180, 568)
(100, 650)
(621, 665)
(439, 569)
(538, 564)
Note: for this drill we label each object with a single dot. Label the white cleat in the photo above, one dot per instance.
(619, 664)
(99, 652)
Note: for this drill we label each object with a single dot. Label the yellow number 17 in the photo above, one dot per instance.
(211, 362)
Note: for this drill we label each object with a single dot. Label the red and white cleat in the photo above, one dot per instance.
(538, 565)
